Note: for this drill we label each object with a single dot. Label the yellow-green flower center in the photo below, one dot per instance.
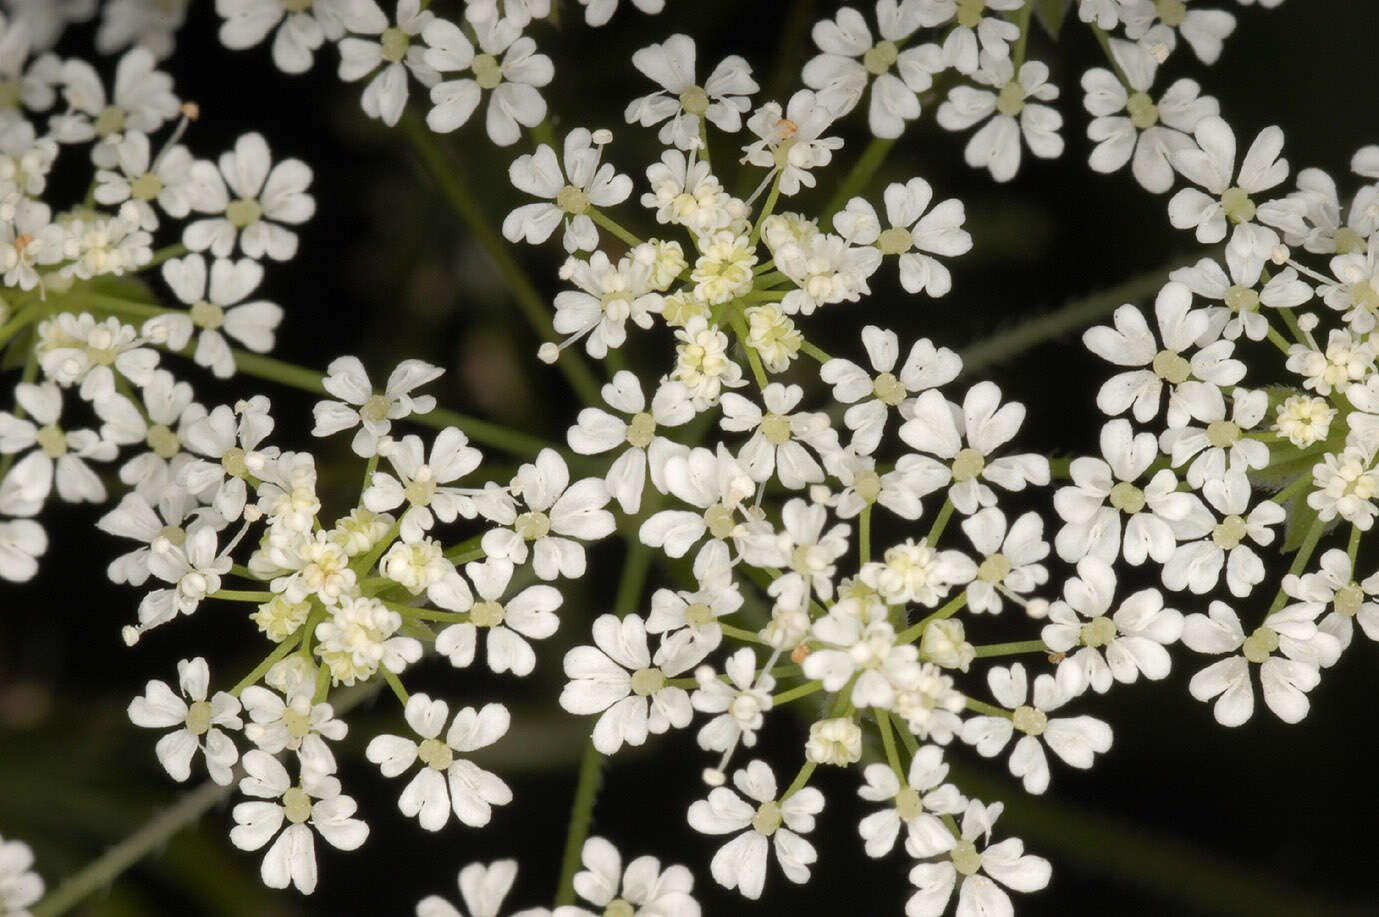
(1241, 299)
(243, 212)
(1237, 204)
(776, 429)
(486, 614)
(719, 520)
(880, 57)
(1348, 600)
(163, 441)
(699, 614)
(1144, 114)
(296, 805)
(375, 409)
(1011, 100)
(889, 389)
(52, 441)
(908, 804)
(1029, 720)
(1172, 12)
(110, 121)
(207, 315)
(297, 723)
(146, 187)
(967, 464)
(767, 819)
(694, 100)
(965, 857)
(199, 718)
(533, 525)
(395, 43)
(1098, 632)
(641, 430)
(646, 682)
(1127, 498)
(436, 754)
(868, 485)
(1229, 532)
(1171, 367)
(895, 241)
(572, 200)
(970, 12)
(994, 569)
(1260, 644)
(487, 71)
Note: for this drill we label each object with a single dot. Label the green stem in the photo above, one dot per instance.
(988, 709)
(1010, 649)
(446, 174)
(815, 352)
(396, 684)
(883, 724)
(1105, 43)
(1021, 18)
(581, 817)
(864, 535)
(241, 595)
(940, 523)
(804, 690)
(608, 223)
(279, 652)
(766, 209)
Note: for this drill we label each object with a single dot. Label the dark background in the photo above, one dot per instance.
(1182, 816)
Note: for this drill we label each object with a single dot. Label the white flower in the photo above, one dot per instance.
(315, 800)
(916, 802)
(867, 649)
(511, 81)
(608, 295)
(347, 380)
(872, 398)
(849, 60)
(699, 611)
(1345, 485)
(303, 29)
(681, 102)
(293, 723)
(393, 56)
(422, 483)
(740, 703)
(619, 678)
(1347, 358)
(528, 614)
(1117, 646)
(199, 723)
(1221, 446)
(64, 452)
(216, 311)
(1285, 678)
(151, 24)
(741, 863)
(1304, 420)
(141, 179)
(20, 886)
(642, 889)
(589, 185)
(777, 445)
(996, 147)
(702, 363)
(684, 191)
(1010, 557)
(1156, 514)
(472, 791)
(716, 483)
(1129, 123)
(265, 196)
(1006, 863)
(557, 514)
(1074, 739)
(75, 349)
(30, 241)
(482, 889)
(791, 141)
(141, 100)
(194, 568)
(1197, 565)
(359, 637)
(1194, 383)
(975, 33)
(1333, 586)
(1211, 164)
(939, 428)
(912, 233)
(1157, 26)
(233, 444)
(598, 431)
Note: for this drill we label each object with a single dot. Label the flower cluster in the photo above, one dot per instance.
(833, 530)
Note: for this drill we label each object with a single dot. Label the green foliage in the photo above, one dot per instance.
(1051, 14)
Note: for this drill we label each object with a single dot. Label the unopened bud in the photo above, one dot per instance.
(548, 353)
